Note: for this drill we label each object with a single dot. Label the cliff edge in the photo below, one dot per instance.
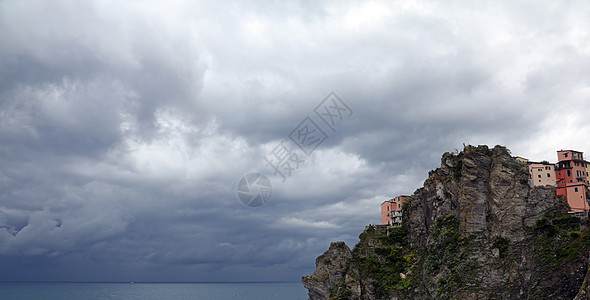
(477, 229)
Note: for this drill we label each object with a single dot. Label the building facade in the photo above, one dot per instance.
(391, 211)
(542, 173)
(571, 179)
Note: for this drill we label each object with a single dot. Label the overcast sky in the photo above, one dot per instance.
(125, 126)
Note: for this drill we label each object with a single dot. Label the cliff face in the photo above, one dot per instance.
(476, 230)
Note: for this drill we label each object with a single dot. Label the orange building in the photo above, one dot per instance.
(571, 177)
(391, 211)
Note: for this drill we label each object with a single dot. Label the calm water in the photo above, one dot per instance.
(83, 291)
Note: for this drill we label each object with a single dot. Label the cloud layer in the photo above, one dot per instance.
(126, 126)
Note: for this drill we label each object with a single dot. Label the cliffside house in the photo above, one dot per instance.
(571, 179)
(542, 173)
(391, 211)
(569, 176)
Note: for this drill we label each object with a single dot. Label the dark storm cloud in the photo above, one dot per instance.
(125, 128)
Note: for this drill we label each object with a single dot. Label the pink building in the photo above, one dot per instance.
(571, 178)
(391, 211)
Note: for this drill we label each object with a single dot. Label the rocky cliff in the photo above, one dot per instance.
(476, 230)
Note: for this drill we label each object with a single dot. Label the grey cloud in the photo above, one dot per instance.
(125, 127)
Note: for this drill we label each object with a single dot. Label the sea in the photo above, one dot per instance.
(143, 291)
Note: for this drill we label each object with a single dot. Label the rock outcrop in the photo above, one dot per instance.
(477, 229)
(330, 271)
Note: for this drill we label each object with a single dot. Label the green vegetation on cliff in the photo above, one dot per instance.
(385, 261)
(559, 240)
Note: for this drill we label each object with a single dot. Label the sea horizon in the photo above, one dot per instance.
(43, 290)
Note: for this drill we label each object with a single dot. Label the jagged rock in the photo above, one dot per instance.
(330, 271)
(477, 229)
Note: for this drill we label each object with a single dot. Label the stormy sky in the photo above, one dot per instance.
(125, 126)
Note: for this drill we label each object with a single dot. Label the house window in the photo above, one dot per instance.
(399, 205)
(548, 174)
(539, 175)
(565, 155)
(388, 209)
(576, 189)
(577, 164)
(547, 168)
(540, 170)
(569, 173)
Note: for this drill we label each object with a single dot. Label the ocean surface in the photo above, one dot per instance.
(221, 291)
